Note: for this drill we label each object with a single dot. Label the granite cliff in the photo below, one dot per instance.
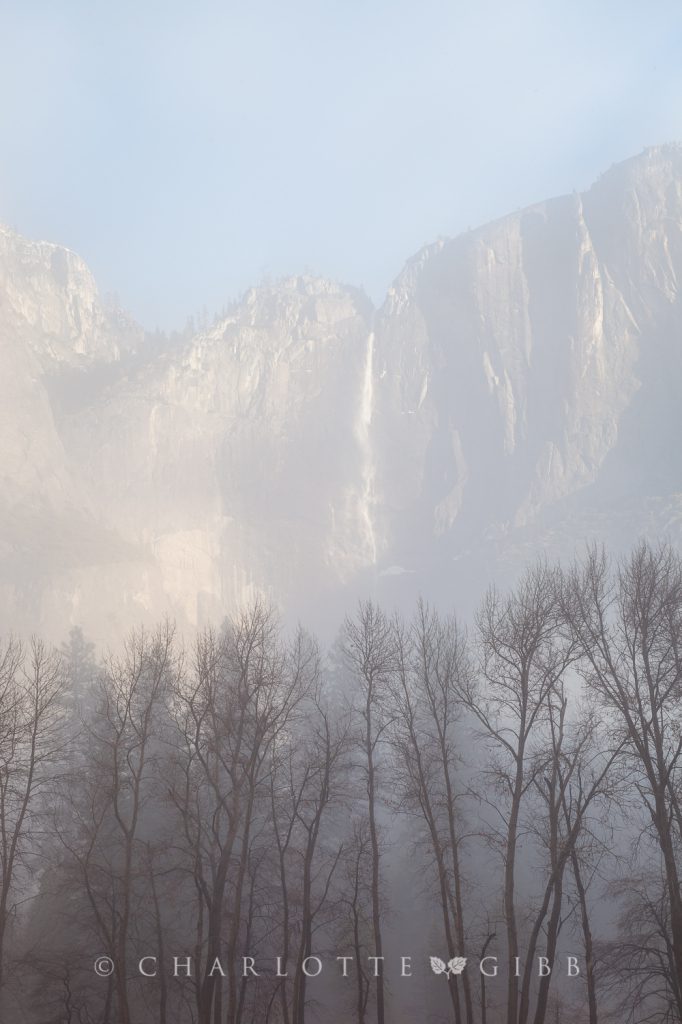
(516, 393)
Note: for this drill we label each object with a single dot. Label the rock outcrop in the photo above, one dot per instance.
(516, 393)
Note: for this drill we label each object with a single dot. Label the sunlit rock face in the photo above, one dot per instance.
(526, 382)
(49, 302)
(516, 394)
(236, 461)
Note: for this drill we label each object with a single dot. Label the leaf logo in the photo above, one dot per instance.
(452, 967)
(457, 964)
(437, 965)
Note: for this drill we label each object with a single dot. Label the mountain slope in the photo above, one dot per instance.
(517, 392)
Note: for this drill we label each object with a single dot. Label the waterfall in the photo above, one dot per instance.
(364, 437)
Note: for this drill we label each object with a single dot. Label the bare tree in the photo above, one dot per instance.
(574, 784)
(242, 696)
(629, 629)
(323, 781)
(100, 824)
(307, 777)
(355, 897)
(368, 645)
(31, 741)
(431, 670)
(522, 658)
(637, 969)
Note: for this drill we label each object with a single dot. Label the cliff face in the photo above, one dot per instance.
(517, 392)
(539, 363)
(234, 462)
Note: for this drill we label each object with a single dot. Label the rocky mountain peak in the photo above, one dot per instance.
(517, 391)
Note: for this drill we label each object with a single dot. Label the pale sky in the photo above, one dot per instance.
(188, 150)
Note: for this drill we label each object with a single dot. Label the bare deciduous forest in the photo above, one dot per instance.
(215, 813)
